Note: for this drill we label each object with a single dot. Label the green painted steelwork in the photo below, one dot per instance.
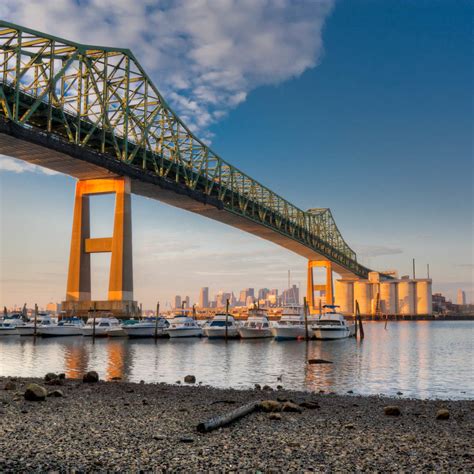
(101, 99)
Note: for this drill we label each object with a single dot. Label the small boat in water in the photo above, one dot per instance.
(183, 325)
(147, 328)
(257, 325)
(104, 327)
(10, 323)
(216, 328)
(7, 328)
(291, 325)
(65, 327)
(332, 325)
(28, 329)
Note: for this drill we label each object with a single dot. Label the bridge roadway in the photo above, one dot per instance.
(42, 139)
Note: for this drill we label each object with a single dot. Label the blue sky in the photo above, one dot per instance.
(363, 106)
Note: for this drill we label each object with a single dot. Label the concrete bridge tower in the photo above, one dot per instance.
(120, 295)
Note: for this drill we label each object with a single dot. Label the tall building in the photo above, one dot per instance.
(177, 301)
(187, 303)
(291, 295)
(204, 297)
(263, 293)
(221, 299)
(245, 294)
(461, 299)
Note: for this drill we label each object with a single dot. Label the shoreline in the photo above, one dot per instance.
(132, 426)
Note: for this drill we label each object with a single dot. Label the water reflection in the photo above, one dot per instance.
(422, 359)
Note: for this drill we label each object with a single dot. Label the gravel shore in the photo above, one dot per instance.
(118, 426)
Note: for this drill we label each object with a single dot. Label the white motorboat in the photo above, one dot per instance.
(147, 328)
(104, 327)
(7, 328)
(65, 327)
(216, 328)
(42, 320)
(256, 326)
(332, 325)
(183, 326)
(291, 325)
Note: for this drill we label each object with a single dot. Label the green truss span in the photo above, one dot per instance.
(101, 100)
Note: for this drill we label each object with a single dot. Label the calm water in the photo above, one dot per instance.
(421, 359)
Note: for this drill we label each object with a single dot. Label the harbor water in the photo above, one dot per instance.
(422, 359)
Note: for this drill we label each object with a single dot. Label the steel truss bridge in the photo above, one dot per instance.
(93, 112)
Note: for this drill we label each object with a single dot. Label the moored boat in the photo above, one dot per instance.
(256, 326)
(216, 328)
(65, 327)
(7, 329)
(291, 325)
(148, 327)
(183, 326)
(332, 325)
(104, 327)
(10, 323)
(42, 320)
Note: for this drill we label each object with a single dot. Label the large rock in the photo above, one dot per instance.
(190, 379)
(90, 377)
(35, 393)
(50, 376)
(392, 410)
(270, 405)
(442, 414)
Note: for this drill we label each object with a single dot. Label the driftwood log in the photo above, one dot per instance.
(227, 418)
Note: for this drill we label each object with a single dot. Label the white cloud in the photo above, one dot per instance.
(205, 56)
(18, 166)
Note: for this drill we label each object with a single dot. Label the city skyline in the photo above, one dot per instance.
(347, 97)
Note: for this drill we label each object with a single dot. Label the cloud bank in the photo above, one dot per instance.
(205, 56)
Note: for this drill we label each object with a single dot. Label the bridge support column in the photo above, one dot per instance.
(120, 294)
(327, 287)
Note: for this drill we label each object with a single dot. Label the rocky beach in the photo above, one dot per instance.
(119, 426)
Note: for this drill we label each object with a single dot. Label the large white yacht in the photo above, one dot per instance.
(28, 329)
(10, 323)
(292, 324)
(104, 327)
(148, 327)
(332, 325)
(183, 325)
(65, 327)
(256, 326)
(216, 328)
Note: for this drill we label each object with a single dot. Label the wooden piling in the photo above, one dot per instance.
(306, 319)
(226, 318)
(156, 319)
(36, 319)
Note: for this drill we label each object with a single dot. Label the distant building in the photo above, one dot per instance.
(53, 307)
(187, 302)
(204, 297)
(291, 296)
(245, 294)
(263, 293)
(461, 299)
(177, 301)
(221, 299)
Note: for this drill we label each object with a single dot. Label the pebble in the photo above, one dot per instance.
(442, 414)
(392, 410)
(190, 379)
(274, 416)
